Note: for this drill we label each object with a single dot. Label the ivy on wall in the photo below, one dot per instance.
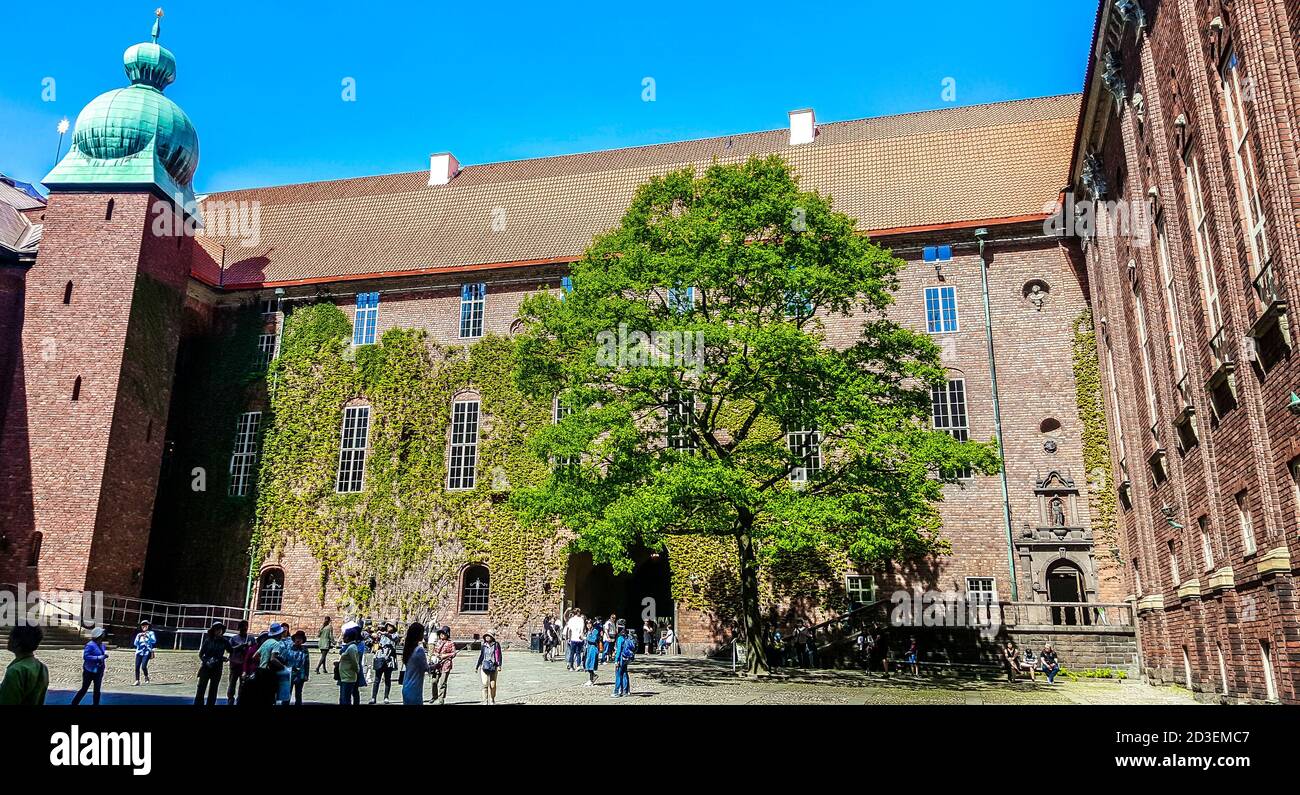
(1096, 445)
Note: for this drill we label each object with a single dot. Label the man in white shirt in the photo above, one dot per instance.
(609, 635)
(573, 631)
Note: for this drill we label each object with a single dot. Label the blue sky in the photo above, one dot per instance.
(488, 81)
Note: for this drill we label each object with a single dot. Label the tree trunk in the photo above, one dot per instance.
(756, 661)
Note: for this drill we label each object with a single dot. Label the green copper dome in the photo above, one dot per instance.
(134, 135)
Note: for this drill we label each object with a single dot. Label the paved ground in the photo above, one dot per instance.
(527, 679)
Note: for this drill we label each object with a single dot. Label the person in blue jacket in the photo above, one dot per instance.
(144, 643)
(624, 653)
(94, 658)
(593, 651)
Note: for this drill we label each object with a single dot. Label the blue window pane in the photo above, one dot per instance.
(566, 282)
(940, 309)
(366, 320)
(931, 253)
(945, 253)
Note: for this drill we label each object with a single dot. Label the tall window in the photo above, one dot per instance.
(680, 410)
(474, 590)
(1144, 348)
(940, 309)
(1266, 657)
(1176, 353)
(245, 453)
(1137, 577)
(472, 299)
(1113, 389)
(1252, 208)
(1174, 574)
(266, 349)
(270, 591)
(980, 590)
(1294, 469)
(1246, 523)
(367, 316)
(1207, 543)
(561, 410)
(1204, 253)
(948, 408)
(352, 450)
(681, 299)
(463, 458)
(805, 448)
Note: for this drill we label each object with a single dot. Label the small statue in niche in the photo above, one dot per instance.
(1037, 296)
(1058, 512)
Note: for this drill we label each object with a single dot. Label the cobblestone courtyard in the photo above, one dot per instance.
(527, 679)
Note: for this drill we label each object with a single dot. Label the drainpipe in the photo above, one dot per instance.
(980, 236)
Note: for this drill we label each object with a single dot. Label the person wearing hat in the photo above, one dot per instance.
(212, 658)
(488, 666)
(444, 654)
(94, 659)
(273, 667)
(144, 643)
(27, 678)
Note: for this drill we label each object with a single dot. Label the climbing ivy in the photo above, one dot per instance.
(399, 545)
(1096, 444)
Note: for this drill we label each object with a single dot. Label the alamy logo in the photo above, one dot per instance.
(624, 349)
(75, 748)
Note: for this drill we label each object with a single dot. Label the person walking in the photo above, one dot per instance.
(324, 642)
(144, 643)
(444, 654)
(384, 660)
(488, 666)
(240, 647)
(212, 659)
(624, 653)
(94, 660)
(348, 668)
(550, 638)
(27, 679)
(593, 651)
(299, 659)
(573, 632)
(415, 664)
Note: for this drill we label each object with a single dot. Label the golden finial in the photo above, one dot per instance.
(157, 24)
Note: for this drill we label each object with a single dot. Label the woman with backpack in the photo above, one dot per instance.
(489, 665)
(384, 660)
(593, 650)
(624, 653)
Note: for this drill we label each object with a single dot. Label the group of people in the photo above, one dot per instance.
(589, 642)
(1048, 662)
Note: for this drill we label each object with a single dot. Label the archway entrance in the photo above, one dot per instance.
(1065, 584)
(645, 592)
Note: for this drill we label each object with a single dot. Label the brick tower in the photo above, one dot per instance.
(85, 419)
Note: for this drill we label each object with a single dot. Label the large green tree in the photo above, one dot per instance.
(735, 416)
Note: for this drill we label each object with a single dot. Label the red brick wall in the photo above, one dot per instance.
(83, 473)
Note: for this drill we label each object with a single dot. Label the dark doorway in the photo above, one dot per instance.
(645, 592)
(1065, 584)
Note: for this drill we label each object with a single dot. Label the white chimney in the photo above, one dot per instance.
(803, 126)
(442, 167)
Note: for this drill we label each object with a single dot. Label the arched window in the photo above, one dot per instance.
(270, 591)
(474, 590)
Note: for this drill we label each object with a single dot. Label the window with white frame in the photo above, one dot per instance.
(473, 297)
(1144, 353)
(1137, 577)
(245, 453)
(561, 410)
(462, 459)
(366, 319)
(474, 590)
(1248, 198)
(680, 412)
(805, 446)
(1204, 252)
(266, 344)
(981, 590)
(1174, 574)
(948, 410)
(1176, 353)
(352, 449)
(860, 588)
(1113, 388)
(940, 309)
(1207, 543)
(566, 286)
(1266, 657)
(681, 299)
(1246, 523)
(270, 591)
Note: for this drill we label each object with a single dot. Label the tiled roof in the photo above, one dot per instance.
(17, 198)
(977, 163)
